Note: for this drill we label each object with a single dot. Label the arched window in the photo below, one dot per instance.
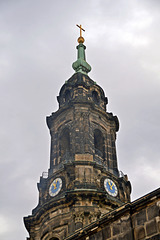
(95, 97)
(67, 95)
(99, 143)
(54, 238)
(65, 142)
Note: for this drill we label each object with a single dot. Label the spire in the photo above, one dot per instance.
(81, 65)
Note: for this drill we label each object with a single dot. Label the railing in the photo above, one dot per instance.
(121, 174)
(44, 174)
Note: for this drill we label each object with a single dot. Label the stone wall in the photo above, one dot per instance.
(139, 220)
(146, 222)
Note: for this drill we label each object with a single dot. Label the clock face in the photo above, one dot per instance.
(110, 187)
(55, 187)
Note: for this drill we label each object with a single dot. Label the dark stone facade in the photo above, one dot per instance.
(82, 112)
(132, 221)
(83, 155)
(83, 195)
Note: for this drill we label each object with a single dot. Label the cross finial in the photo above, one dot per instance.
(80, 39)
(80, 26)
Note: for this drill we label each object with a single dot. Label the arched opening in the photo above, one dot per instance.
(99, 143)
(67, 95)
(65, 143)
(54, 238)
(95, 97)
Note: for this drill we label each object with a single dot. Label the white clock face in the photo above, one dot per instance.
(55, 187)
(110, 187)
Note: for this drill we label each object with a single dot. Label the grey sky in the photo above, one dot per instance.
(38, 46)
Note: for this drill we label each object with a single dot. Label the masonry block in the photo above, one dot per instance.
(97, 236)
(152, 212)
(141, 217)
(116, 229)
(106, 232)
(151, 228)
(140, 233)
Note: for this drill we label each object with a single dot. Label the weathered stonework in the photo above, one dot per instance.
(83, 155)
(84, 196)
(132, 221)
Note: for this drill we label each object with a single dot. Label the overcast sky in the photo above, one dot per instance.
(37, 48)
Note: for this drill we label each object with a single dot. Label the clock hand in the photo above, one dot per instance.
(109, 183)
(111, 186)
(55, 184)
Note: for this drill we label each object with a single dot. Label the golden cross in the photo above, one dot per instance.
(80, 29)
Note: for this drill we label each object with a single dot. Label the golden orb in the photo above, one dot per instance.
(80, 40)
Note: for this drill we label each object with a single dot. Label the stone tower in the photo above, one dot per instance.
(83, 181)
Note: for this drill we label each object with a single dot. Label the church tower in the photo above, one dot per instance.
(83, 181)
